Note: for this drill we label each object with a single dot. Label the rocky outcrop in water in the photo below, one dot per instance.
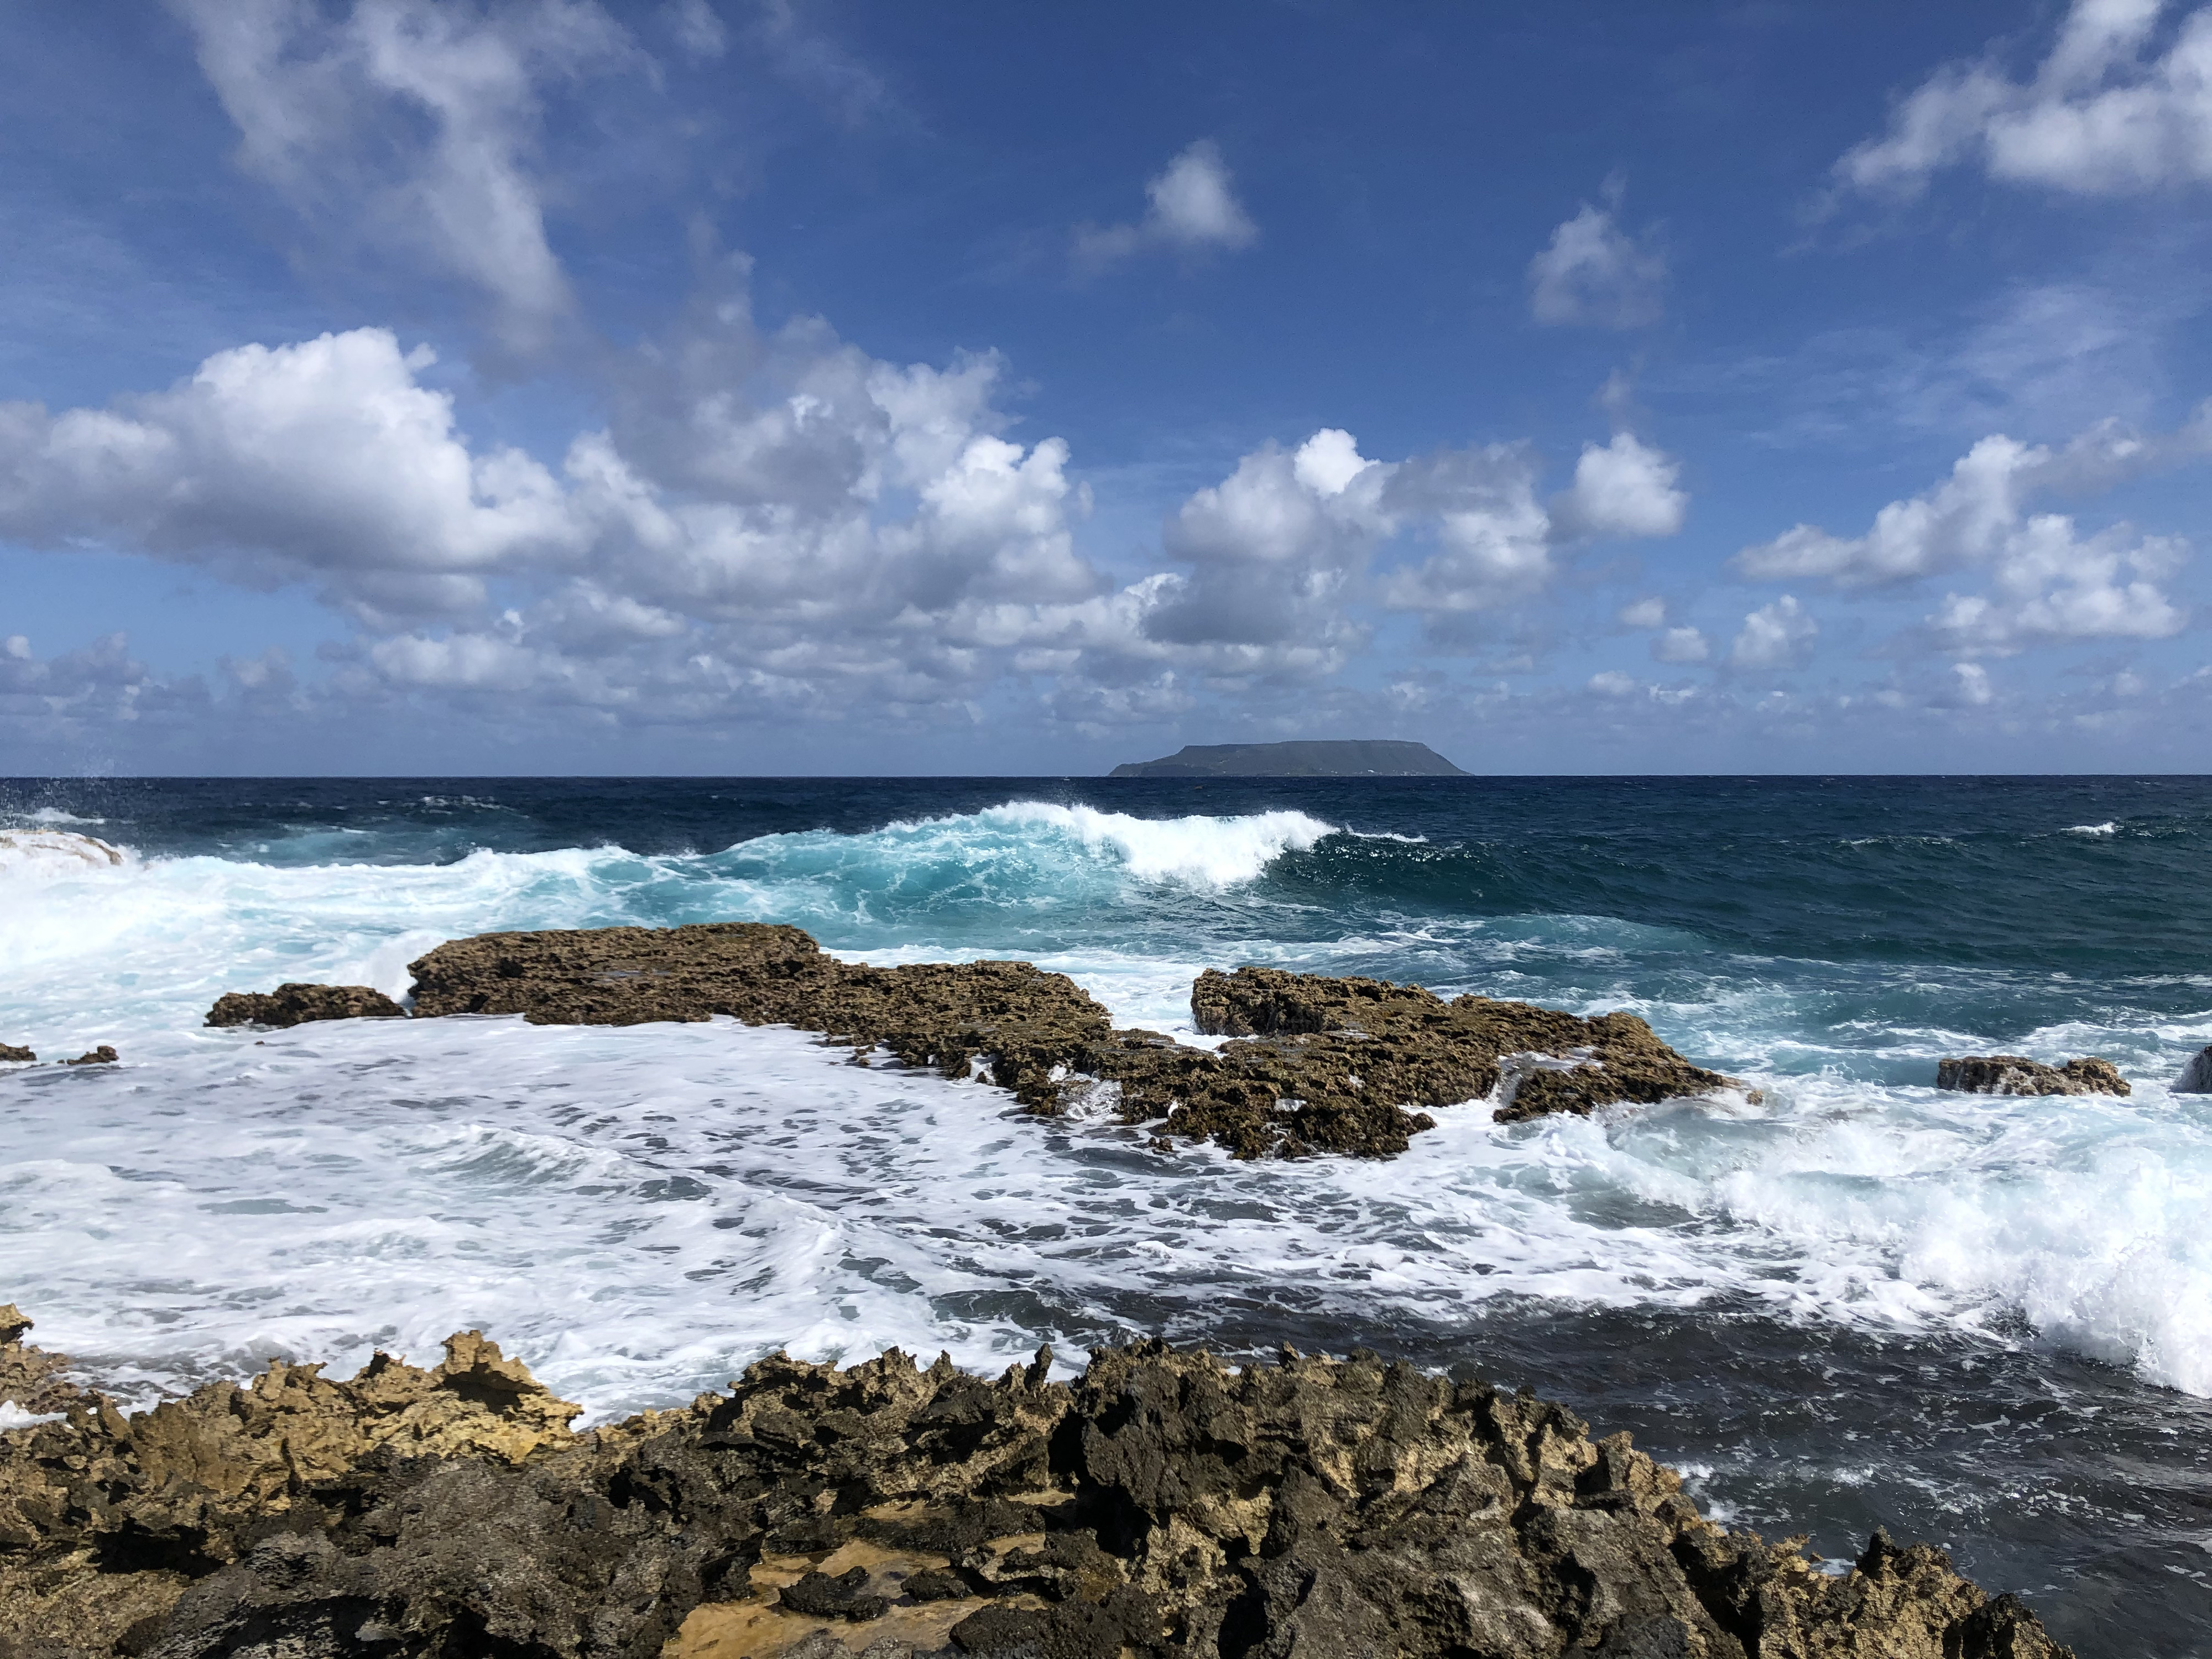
(1161, 1505)
(296, 1004)
(103, 1055)
(1322, 1065)
(12, 1055)
(2195, 1077)
(2012, 1074)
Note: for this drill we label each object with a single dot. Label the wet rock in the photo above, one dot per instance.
(1163, 1504)
(30, 1378)
(12, 1055)
(103, 1055)
(2012, 1074)
(845, 1596)
(2195, 1077)
(1322, 1065)
(296, 1004)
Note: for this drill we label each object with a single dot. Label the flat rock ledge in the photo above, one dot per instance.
(1163, 1504)
(2014, 1074)
(1320, 1065)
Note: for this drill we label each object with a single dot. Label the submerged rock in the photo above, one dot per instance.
(1323, 1065)
(2195, 1077)
(296, 1004)
(12, 1055)
(1162, 1504)
(2012, 1074)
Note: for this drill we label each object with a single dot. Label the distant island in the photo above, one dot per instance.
(1370, 759)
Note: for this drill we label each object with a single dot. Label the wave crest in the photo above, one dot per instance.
(54, 852)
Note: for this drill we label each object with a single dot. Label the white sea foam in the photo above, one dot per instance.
(2105, 828)
(639, 1210)
(32, 854)
(1204, 851)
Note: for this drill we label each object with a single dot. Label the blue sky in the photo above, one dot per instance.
(721, 387)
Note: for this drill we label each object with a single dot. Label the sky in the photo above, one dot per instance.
(759, 386)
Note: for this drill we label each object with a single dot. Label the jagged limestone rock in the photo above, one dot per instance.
(295, 1003)
(1323, 1065)
(1164, 1504)
(2014, 1074)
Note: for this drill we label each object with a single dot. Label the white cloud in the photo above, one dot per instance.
(2047, 581)
(409, 124)
(1612, 683)
(1961, 520)
(1777, 635)
(1622, 489)
(1680, 645)
(1594, 272)
(1647, 612)
(1194, 208)
(2049, 585)
(697, 28)
(1492, 537)
(2100, 116)
(325, 460)
(1973, 684)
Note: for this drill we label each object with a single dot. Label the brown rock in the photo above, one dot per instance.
(103, 1055)
(1163, 1504)
(1324, 1066)
(29, 1376)
(12, 1055)
(2012, 1074)
(296, 1004)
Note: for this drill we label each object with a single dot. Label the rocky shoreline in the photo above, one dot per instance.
(1161, 1505)
(1314, 1064)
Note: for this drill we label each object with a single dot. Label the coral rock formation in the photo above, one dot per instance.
(296, 1004)
(2011, 1074)
(1323, 1064)
(1163, 1504)
(12, 1055)
(103, 1055)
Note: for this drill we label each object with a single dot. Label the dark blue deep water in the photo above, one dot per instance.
(1987, 1323)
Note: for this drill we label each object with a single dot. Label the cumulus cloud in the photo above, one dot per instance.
(1278, 550)
(1595, 273)
(2049, 585)
(1680, 645)
(1194, 210)
(2047, 581)
(1775, 636)
(2105, 113)
(409, 125)
(1624, 488)
(325, 461)
(1647, 613)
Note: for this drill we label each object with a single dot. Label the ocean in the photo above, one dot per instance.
(1985, 1322)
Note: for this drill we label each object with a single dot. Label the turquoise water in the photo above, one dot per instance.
(1984, 1321)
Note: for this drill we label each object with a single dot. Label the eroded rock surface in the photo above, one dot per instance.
(1323, 1064)
(11, 1054)
(2012, 1074)
(103, 1055)
(1163, 1504)
(296, 1004)
(31, 1379)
